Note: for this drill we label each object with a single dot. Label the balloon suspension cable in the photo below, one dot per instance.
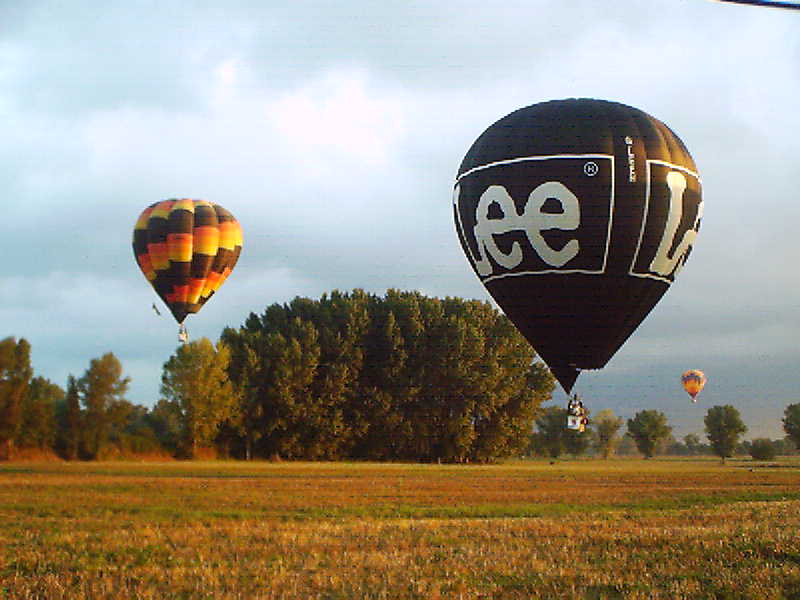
(183, 335)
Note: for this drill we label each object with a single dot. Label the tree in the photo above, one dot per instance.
(245, 373)
(37, 428)
(71, 427)
(791, 423)
(606, 436)
(577, 442)
(785, 447)
(290, 362)
(648, 428)
(693, 444)
(395, 377)
(166, 421)
(15, 375)
(762, 449)
(724, 426)
(386, 390)
(627, 445)
(674, 447)
(551, 425)
(102, 391)
(195, 378)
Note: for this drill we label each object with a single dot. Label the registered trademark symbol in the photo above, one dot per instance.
(591, 168)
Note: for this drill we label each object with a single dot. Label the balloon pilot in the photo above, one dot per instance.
(577, 416)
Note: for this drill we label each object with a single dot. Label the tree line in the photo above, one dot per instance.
(349, 376)
(649, 433)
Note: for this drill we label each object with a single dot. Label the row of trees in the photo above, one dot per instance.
(87, 420)
(352, 375)
(397, 377)
(348, 376)
(648, 432)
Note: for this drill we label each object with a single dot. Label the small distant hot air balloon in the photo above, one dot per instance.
(186, 250)
(577, 215)
(693, 382)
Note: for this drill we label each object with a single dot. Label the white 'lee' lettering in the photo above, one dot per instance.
(532, 221)
(662, 263)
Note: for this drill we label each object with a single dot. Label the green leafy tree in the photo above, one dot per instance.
(139, 437)
(674, 447)
(395, 377)
(38, 429)
(693, 444)
(386, 390)
(577, 442)
(391, 379)
(70, 423)
(514, 385)
(791, 423)
(648, 428)
(762, 449)
(786, 447)
(340, 323)
(15, 376)
(550, 427)
(195, 378)
(102, 391)
(245, 373)
(606, 426)
(291, 362)
(723, 428)
(627, 446)
(166, 422)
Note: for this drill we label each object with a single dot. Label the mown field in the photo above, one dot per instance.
(579, 529)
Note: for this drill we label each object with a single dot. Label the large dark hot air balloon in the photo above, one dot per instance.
(186, 250)
(789, 4)
(693, 382)
(576, 215)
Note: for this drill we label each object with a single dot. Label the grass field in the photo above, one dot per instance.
(579, 529)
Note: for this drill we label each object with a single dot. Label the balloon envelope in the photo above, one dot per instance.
(576, 215)
(693, 382)
(186, 250)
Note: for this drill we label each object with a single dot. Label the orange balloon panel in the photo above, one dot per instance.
(186, 249)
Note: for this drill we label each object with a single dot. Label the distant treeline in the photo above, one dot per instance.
(349, 376)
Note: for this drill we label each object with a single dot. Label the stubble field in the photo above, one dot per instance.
(579, 529)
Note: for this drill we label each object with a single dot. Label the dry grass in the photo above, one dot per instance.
(585, 529)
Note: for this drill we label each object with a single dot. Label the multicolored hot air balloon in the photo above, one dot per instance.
(577, 215)
(186, 250)
(693, 382)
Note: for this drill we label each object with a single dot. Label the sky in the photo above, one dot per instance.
(333, 132)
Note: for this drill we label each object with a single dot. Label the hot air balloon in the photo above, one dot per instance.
(788, 4)
(577, 215)
(186, 250)
(693, 382)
